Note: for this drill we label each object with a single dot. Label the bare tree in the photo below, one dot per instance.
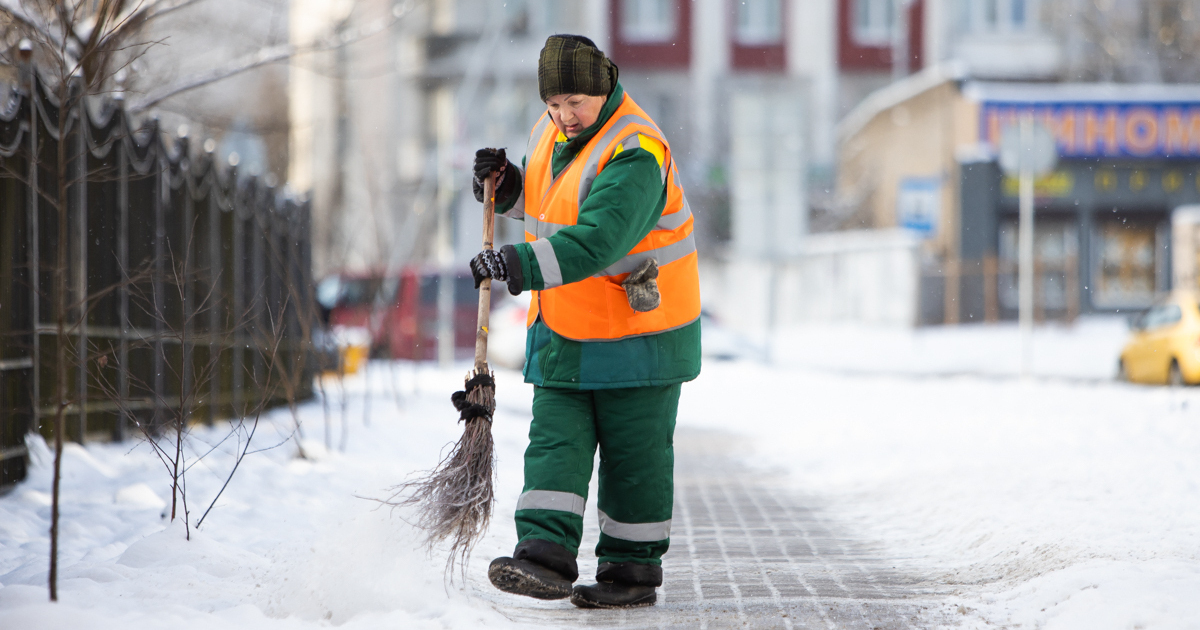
(1144, 41)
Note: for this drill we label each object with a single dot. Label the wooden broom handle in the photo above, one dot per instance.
(485, 287)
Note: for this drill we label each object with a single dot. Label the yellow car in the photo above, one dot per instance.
(1165, 347)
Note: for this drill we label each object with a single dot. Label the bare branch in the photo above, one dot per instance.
(270, 55)
(13, 9)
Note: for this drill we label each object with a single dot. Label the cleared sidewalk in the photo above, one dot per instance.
(747, 552)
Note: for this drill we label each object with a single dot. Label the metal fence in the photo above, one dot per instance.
(188, 288)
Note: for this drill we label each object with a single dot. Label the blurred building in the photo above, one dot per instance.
(921, 154)
(244, 113)
(384, 129)
(787, 118)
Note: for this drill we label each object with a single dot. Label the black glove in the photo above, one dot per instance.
(488, 161)
(489, 263)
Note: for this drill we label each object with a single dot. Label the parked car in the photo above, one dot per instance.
(1165, 344)
(400, 311)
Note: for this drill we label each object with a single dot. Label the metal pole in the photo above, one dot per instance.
(1025, 247)
(214, 276)
(186, 387)
(261, 304)
(445, 244)
(160, 234)
(81, 219)
(35, 260)
(123, 290)
(238, 317)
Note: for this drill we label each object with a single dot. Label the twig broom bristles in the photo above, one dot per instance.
(453, 502)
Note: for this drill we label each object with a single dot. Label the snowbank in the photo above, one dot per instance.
(289, 545)
(1087, 349)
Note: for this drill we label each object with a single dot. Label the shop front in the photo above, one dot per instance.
(1129, 157)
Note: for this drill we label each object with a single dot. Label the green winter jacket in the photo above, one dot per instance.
(625, 202)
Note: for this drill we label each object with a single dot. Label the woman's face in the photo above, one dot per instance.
(572, 113)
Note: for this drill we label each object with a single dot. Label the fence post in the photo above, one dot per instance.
(35, 260)
(214, 308)
(187, 388)
(238, 267)
(122, 158)
(160, 231)
(261, 312)
(81, 219)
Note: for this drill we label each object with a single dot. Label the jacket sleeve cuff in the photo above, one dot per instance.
(516, 269)
(509, 196)
(530, 270)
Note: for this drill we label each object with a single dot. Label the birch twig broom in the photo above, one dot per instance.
(453, 502)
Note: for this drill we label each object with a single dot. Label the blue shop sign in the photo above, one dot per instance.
(1104, 129)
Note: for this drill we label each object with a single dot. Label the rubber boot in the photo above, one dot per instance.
(538, 568)
(620, 585)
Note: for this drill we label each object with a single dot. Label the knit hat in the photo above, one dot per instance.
(571, 64)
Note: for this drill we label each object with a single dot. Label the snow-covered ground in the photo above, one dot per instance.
(1066, 502)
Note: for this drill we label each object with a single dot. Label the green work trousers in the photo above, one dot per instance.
(633, 428)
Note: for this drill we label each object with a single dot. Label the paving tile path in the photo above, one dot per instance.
(748, 553)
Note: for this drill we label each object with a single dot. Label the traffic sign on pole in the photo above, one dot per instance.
(1027, 150)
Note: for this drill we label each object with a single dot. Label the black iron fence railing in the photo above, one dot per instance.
(139, 280)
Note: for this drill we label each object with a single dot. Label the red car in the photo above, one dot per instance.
(401, 311)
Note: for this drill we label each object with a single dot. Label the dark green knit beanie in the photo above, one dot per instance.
(571, 64)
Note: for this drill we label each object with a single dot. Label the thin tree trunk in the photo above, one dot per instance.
(60, 350)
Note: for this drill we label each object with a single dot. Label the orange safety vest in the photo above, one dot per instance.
(596, 308)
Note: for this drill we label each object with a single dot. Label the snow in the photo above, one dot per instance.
(1066, 501)
(289, 545)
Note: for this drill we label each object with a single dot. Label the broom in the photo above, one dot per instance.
(453, 502)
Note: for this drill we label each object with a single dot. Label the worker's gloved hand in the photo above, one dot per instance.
(489, 263)
(488, 161)
(641, 287)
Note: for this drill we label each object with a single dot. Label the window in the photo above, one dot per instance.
(759, 22)
(997, 16)
(1055, 251)
(648, 21)
(1127, 266)
(1161, 316)
(873, 21)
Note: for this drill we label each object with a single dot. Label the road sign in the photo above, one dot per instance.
(1041, 152)
(918, 204)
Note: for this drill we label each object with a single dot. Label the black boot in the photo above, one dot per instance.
(538, 568)
(620, 585)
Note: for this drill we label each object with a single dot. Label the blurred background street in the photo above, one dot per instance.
(950, 272)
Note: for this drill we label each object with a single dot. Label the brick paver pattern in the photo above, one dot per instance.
(748, 553)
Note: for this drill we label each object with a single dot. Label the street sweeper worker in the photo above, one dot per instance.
(613, 330)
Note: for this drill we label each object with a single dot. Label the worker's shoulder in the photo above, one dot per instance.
(643, 142)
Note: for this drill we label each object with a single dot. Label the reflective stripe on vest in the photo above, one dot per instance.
(596, 308)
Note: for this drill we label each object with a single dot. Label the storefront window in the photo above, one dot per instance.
(1055, 250)
(1126, 272)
